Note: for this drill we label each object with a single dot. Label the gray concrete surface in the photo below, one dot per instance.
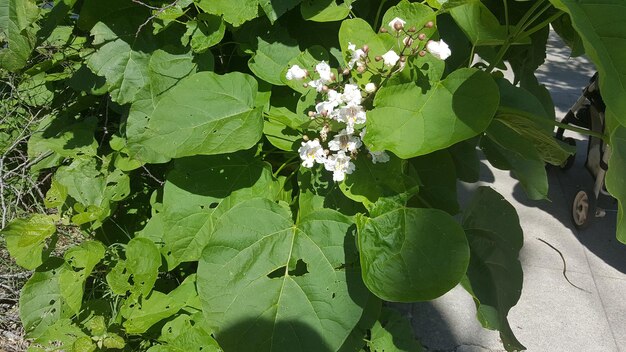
(551, 314)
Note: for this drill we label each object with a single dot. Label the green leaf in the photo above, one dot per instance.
(371, 181)
(494, 275)
(601, 25)
(185, 333)
(479, 24)
(17, 36)
(522, 112)
(122, 57)
(269, 284)
(466, 161)
(563, 27)
(437, 175)
(165, 70)
(143, 312)
(63, 334)
(273, 53)
(615, 182)
(325, 10)
(358, 32)
(26, 239)
(52, 293)
(507, 150)
(411, 254)
(198, 190)
(393, 332)
(141, 267)
(35, 91)
(409, 122)
(204, 32)
(235, 12)
(181, 125)
(274, 9)
(414, 14)
(64, 136)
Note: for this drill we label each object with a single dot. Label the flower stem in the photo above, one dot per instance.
(380, 8)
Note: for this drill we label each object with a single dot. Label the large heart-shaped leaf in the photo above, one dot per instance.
(269, 284)
(494, 275)
(412, 254)
(409, 122)
(182, 124)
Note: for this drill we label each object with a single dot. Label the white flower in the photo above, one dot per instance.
(390, 58)
(396, 21)
(324, 71)
(317, 84)
(311, 152)
(351, 115)
(379, 157)
(295, 72)
(357, 56)
(345, 141)
(334, 97)
(340, 164)
(362, 133)
(351, 95)
(370, 87)
(324, 108)
(439, 49)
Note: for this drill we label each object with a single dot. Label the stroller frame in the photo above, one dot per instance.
(588, 113)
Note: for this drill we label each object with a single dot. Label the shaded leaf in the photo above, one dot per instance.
(494, 275)
(411, 254)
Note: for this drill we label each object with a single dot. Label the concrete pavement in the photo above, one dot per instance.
(551, 315)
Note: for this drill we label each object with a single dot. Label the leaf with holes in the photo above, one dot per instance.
(269, 284)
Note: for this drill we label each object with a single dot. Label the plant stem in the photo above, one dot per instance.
(580, 130)
(380, 8)
(549, 20)
(285, 164)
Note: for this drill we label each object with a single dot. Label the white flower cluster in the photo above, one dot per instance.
(341, 111)
(340, 107)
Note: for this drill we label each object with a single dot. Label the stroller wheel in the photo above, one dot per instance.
(583, 208)
(572, 158)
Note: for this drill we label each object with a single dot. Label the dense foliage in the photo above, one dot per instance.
(256, 175)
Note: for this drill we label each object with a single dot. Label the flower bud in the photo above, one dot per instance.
(360, 69)
(412, 29)
(326, 151)
(383, 30)
(398, 26)
(378, 58)
(325, 113)
(402, 58)
(421, 36)
(422, 53)
(325, 88)
(305, 85)
(408, 41)
(333, 77)
(365, 48)
(429, 24)
(311, 113)
(346, 71)
(305, 138)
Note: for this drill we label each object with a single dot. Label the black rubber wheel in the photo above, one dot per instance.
(572, 158)
(583, 208)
